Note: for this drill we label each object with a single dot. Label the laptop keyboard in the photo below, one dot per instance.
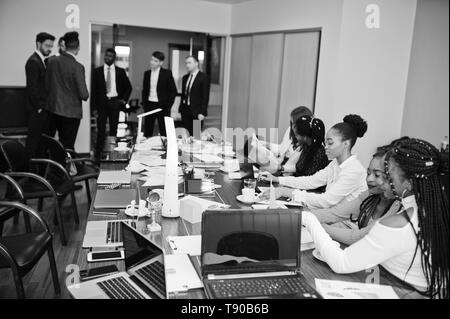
(251, 287)
(154, 275)
(114, 231)
(119, 288)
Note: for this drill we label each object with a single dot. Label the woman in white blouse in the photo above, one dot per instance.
(412, 244)
(344, 177)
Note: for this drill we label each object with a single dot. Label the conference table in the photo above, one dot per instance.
(310, 266)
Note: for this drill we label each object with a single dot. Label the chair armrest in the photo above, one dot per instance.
(52, 163)
(14, 184)
(80, 160)
(28, 210)
(36, 177)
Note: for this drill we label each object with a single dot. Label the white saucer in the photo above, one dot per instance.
(120, 149)
(243, 200)
(135, 211)
(317, 255)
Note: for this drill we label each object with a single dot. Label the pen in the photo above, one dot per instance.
(104, 213)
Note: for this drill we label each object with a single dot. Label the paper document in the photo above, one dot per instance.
(208, 158)
(334, 289)
(185, 244)
(180, 274)
(306, 241)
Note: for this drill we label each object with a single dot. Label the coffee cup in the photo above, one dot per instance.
(248, 194)
(122, 145)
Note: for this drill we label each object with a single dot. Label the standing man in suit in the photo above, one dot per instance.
(66, 86)
(111, 90)
(195, 95)
(35, 69)
(158, 91)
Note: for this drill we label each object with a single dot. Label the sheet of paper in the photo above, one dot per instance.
(185, 244)
(235, 175)
(180, 274)
(155, 180)
(335, 289)
(152, 161)
(208, 158)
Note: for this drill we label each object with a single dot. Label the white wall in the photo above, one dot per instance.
(427, 104)
(361, 70)
(373, 69)
(21, 20)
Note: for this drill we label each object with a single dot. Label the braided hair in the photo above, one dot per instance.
(370, 204)
(421, 163)
(312, 154)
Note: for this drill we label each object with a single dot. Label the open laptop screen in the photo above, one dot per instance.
(137, 248)
(248, 241)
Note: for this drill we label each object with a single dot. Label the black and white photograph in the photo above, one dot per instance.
(224, 158)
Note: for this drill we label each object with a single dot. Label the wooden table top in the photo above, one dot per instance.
(310, 266)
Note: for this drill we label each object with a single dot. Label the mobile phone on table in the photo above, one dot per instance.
(87, 274)
(96, 256)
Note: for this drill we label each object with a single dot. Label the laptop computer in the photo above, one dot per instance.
(108, 233)
(253, 254)
(114, 198)
(112, 177)
(113, 156)
(144, 278)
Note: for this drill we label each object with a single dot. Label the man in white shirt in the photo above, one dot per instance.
(158, 91)
(111, 90)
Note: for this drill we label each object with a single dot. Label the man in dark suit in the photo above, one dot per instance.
(158, 91)
(195, 95)
(35, 69)
(66, 86)
(111, 90)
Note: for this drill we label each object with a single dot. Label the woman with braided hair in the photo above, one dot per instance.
(413, 244)
(344, 177)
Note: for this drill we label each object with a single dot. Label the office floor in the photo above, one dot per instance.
(38, 283)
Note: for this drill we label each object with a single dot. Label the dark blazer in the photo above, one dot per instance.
(123, 86)
(199, 94)
(166, 88)
(66, 86)
(35, 73)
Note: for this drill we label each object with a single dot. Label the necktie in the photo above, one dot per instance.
(108, 80)
(188, 89)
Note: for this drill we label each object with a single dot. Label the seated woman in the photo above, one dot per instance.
(287, 153)
(309, 133)
(413, 244)
(344, 177)
(367, 208)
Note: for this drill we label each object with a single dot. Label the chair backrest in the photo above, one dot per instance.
(250, 244)
(15, 156)
(53, 149)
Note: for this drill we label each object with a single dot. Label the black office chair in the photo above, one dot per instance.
(22, 252)
(12, 192)
(250, 244)
(34, 186)
(85, 167)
